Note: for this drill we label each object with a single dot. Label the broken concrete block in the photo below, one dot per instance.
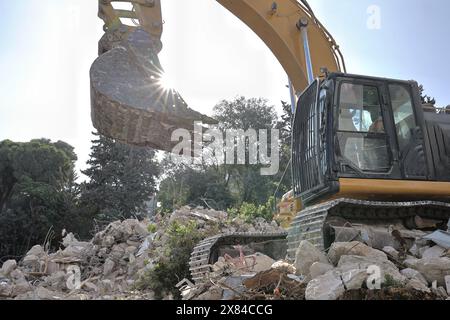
(8, 267)
(36, 251)
(305, 256)
(354, 279)
(259, 262)
(326, 287)
(347, 263)
(414, 274)
(108, 267)
(434, 269)
(283, 266)
(354, 248)
(319, 268)
(433, 252)
(6, 289)
(21, 288)
(214, 293)
(418, 285)
(32, 261)
(391, 251)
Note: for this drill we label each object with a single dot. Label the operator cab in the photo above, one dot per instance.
(358, 127)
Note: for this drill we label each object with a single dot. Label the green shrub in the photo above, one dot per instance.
(152, 228)
(174, 266)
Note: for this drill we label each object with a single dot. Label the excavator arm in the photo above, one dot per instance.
(130, 104)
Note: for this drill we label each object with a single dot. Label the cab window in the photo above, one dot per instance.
(361, 130)
(404, 118)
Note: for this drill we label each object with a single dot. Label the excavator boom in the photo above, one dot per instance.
(130, 104)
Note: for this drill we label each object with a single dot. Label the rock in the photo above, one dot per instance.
(411, 263)
(108, 267)
(8, 267)
(319, 268)
(213, 293)
(354, 248)
(392, 252)
(447, 284)
(17, 276)
(434, 252)
(6, 288)
(36, 251)
(414, 274)
(305, 256)
(57, 280)
(354, 279)
(89, 286)
(422, 251)
(106, 286)
(52, 267)
(21, 288)
(347, 263)
(434, 269)
(326, 287)
(32, 261)
(418, 285)
(42, 293)
(108, 241)
(261, 262)
(283, 266)
(439, 291)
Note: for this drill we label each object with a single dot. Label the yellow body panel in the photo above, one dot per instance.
(393, 189)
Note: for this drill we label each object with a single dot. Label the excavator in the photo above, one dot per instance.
(369, 162)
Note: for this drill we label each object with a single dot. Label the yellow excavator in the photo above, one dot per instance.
(368, 163)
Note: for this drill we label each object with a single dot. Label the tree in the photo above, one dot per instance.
(245, 181)
(36, 185)
(426, 99)
(193, 185)
(122, 178)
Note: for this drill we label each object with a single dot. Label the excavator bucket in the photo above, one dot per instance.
(129, 102)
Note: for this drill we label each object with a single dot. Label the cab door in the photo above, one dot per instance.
(364, 131)
(408, 133)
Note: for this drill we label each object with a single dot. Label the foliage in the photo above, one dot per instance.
(188, 185)
(249, 211)
(122, 178)
(426, 99)
(174, 267)
(36, 192)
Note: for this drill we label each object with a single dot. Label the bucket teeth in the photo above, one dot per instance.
(129, 102)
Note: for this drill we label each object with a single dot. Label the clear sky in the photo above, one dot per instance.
(47, 47)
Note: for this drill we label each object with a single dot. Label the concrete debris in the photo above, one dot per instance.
(354, 248)
(305, 256)
(434, 269)
(285, 267)
(440, 237)
(326, 287)
(418, 285)
(109, 265)
(319, 268)
(414, 274)
(391, 252)
(354, 279)
(434, 252)
(8, 267)
(386, 267)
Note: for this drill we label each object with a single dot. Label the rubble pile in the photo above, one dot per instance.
(99, 269)
(347, 271)
(109, 265)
